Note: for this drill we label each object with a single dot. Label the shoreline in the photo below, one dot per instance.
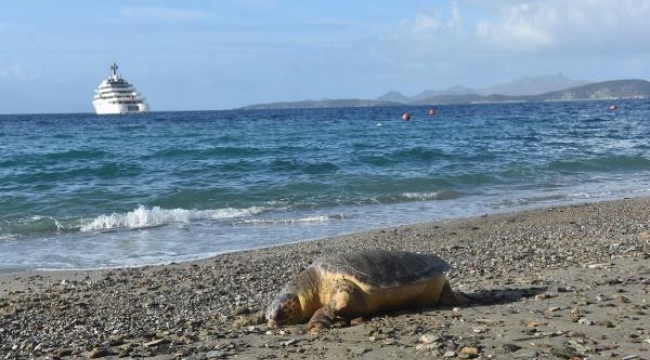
(351, 232)
(563, 281)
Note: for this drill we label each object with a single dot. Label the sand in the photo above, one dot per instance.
(563, 282)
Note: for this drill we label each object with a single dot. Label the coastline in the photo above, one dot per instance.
(566, 281)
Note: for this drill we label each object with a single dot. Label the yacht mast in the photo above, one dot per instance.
(114, 68)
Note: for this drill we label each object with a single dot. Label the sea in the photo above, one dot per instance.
(81, 191)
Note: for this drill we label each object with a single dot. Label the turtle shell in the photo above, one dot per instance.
(383, 269)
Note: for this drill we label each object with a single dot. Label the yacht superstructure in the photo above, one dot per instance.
(117, 96)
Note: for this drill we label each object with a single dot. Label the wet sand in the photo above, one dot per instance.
(563, 282)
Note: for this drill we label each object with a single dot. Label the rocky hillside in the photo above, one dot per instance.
(617, 89)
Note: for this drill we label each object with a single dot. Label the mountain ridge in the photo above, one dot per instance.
(612, 90)
(533, 85)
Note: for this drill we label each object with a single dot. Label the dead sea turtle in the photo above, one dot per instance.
(352, 285)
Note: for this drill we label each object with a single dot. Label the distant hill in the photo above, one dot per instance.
(466, 99)
(533, 86)
(519, 87)
(453, 91)
(616, 89)
(394, 96)
(329, 103)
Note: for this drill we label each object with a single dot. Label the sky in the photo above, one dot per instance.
(224, 54)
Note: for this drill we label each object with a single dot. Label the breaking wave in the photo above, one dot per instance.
(156, 216)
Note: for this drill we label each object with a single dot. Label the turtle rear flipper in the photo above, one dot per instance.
(450, 298)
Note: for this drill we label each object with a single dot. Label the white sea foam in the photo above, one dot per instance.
(156, 216)
(421, 195)
(432, 195)
(7, 236)
(311, 219)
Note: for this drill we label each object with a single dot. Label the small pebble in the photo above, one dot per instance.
(429, 339)
(543, 296)
(631, 357)
(357, 321)
(602, 297)
(584, 321)
(598, 266)
(469, 352)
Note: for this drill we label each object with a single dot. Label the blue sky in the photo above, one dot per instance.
(213, 54)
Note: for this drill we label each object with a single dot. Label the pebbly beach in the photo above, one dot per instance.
(566, 282)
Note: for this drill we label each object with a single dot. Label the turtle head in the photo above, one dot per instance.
(284, 309)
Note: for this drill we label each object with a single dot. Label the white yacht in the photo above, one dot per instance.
(116, 96)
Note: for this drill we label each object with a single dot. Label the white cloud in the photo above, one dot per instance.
(442, 20)
(164, 14)
(424, 38)
(424, 23)
(535, 26)
(520, 28)
(577, 25)
(11, 71)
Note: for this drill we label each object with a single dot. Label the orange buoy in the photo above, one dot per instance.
(406, 116)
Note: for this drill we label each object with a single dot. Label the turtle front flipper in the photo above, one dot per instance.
(346, 301)
(321, 319)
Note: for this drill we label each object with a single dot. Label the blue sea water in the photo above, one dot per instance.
(84, 191)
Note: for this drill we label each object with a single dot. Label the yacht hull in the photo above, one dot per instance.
(105, 108)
